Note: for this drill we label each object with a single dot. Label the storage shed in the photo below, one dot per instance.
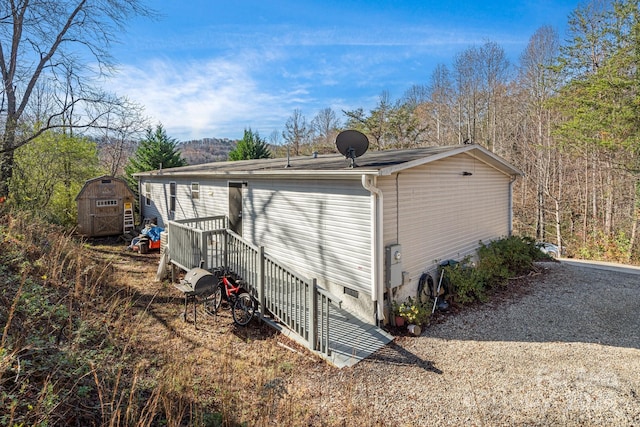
(367, 233)
(105, 207)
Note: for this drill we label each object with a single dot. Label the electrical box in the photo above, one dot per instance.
(393, 264)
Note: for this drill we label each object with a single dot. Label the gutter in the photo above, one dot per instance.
(377, 249)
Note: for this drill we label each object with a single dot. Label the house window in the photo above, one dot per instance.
(172, 197)
(106, 203)
(147, 193)
(195, 190)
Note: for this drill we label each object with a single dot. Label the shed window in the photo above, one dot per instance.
(195, 190)
(147, 193)
(172, 197)
(106, 203)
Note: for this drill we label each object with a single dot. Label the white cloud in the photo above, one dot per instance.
(260, 86)
(209, 98)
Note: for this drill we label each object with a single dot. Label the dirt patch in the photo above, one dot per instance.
(558, 348)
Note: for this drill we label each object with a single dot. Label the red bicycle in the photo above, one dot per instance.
(232, 290)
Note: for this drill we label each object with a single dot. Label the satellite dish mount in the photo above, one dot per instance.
(352, 144)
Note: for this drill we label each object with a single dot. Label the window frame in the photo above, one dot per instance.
(173, 194)
(195, 194)
(106, 203)
(147, 194)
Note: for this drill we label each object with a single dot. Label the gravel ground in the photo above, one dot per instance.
(561, 348)
(565, 350)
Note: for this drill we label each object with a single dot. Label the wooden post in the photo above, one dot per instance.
(225, 249)
(261, 280)
(204, 262)
(313, 316)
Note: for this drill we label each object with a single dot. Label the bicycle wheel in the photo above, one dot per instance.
(212, 302)
(243, 309)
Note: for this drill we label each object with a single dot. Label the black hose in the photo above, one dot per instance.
(425, 279)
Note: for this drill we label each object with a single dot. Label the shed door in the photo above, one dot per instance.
(106, 217)
(235, 207)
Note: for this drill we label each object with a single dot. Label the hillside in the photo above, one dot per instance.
(206, 150)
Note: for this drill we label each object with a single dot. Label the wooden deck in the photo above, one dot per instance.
(293, 304)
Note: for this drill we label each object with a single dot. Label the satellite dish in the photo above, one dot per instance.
(352, 144)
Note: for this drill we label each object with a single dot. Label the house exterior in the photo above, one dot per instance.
(105, 207)
(367, 233)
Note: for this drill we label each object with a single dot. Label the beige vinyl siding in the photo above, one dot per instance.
(212, 200)
(442, 214)
(320, 228)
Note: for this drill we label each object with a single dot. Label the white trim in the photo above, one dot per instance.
(173, 199)
(106, 203)
(377, 244)
(195, 194)
(147, 193)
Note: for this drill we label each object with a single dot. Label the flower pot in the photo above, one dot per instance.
(414, 329)
(399, 321)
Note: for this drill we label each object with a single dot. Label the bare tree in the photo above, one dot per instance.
(325, 126)
(296, 132)
(120, 128)
(468, 88)
(441, 106)
(495, 73)
(537, 81)
(275, 137)
(44, 46)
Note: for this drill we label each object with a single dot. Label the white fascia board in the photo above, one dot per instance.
(475, 151)
(317, 174)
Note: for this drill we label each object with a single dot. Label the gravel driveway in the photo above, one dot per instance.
(565, 352)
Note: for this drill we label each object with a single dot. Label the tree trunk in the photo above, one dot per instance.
(6, 154)
(6, 172)
(608, 207)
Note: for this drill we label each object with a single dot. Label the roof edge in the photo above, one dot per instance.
(482, 155)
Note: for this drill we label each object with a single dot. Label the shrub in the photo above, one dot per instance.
(466, 283)
(506, 258)
(497, 262)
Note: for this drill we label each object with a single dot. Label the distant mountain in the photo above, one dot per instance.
(206, 150)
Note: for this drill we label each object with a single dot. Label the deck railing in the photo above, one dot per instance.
(295, 301)
(197, 242)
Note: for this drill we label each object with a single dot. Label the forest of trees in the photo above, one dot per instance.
(565, 113)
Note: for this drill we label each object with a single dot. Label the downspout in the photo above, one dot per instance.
(513, 179)
(377, 249)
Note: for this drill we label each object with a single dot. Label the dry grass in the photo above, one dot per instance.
(89, 338)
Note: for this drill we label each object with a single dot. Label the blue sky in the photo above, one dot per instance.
(209, 68)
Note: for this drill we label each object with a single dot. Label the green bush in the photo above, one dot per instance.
(466, 283)
(496, 263)
(505, 258)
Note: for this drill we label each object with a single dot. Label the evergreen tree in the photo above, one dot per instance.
(251, 146)
(157, 150)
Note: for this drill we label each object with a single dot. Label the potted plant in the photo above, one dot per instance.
(414, 312)
(396, 314)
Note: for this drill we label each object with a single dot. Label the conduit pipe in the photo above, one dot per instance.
(377, 245)
(511, 181)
